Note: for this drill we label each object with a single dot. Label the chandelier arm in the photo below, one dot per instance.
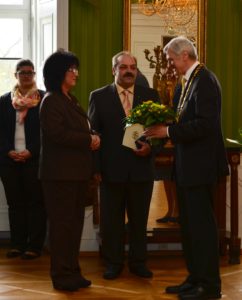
(175, 13)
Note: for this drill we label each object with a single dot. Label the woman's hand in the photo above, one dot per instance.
(13, 155)
(19, 156)
(25, 154)
(95, 143)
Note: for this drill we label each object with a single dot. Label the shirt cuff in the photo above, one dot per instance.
(167, 131)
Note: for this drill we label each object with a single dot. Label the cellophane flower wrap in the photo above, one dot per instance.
(151, 113)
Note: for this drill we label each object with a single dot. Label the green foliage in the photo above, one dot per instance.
(150, 113)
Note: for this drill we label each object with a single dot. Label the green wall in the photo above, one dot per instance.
(96, 34)
(224, 57)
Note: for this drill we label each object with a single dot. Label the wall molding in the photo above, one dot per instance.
(62, 24)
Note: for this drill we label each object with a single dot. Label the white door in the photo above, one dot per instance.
(50, 31)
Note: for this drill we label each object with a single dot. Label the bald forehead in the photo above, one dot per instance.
(126, 59)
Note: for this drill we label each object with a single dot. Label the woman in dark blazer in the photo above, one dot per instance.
(65, 168)
(19, 155)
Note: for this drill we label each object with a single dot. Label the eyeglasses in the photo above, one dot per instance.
(74, 71)
(26, 73)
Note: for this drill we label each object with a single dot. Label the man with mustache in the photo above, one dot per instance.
(126, 175)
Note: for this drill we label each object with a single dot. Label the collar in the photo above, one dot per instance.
(190, 70)
(120, 89)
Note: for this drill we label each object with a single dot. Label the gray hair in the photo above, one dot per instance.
(180, 44)
(116, 56)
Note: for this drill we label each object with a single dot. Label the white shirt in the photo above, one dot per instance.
(190, 70)
(19, 138)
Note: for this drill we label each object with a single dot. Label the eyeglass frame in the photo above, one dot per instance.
(26, 73)
(75, 71)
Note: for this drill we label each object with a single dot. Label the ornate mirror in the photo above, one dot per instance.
(150, 24)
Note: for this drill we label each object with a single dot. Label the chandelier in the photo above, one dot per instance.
(174, 13)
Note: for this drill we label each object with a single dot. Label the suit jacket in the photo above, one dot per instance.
(116, 162)
(200, 156)
(65, 136)
(176, 97)
(7, 130)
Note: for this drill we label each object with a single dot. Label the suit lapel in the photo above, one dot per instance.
(11, 116)
(116, 103)
(191, 85)
(187, 93)
(76, 106)
(137, 97)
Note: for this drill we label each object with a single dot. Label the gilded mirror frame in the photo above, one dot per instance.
(201, 26)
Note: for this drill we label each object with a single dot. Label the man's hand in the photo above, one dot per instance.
(95, 143)
(156, 131)
(144, 150)
(97, 177)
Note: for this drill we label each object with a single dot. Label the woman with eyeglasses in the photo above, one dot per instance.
(65, 168)
(19, 163)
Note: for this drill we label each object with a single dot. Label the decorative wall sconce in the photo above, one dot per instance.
(165, 77)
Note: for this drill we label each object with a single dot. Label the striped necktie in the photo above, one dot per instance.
(125, 102)
(183, 84)
(181, 100)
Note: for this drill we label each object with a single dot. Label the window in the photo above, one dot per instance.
(11, 2)
(14, 37)
(30, 29)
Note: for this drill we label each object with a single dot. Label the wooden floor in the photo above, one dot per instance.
(29, 280)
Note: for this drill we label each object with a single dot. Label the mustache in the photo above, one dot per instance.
(128, 74)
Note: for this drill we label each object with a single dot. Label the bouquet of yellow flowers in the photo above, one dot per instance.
(151, 113)
(145, 115)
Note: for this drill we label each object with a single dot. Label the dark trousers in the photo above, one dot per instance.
(27, 217)
(116, 198)
(199, 234)
(65, 204)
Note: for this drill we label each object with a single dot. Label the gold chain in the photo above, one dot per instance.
(187, 90)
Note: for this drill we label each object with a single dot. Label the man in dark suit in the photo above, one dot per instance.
(126, 174)
(200, 160)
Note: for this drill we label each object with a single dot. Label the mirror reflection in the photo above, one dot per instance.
(151, 25)
(148, 26)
